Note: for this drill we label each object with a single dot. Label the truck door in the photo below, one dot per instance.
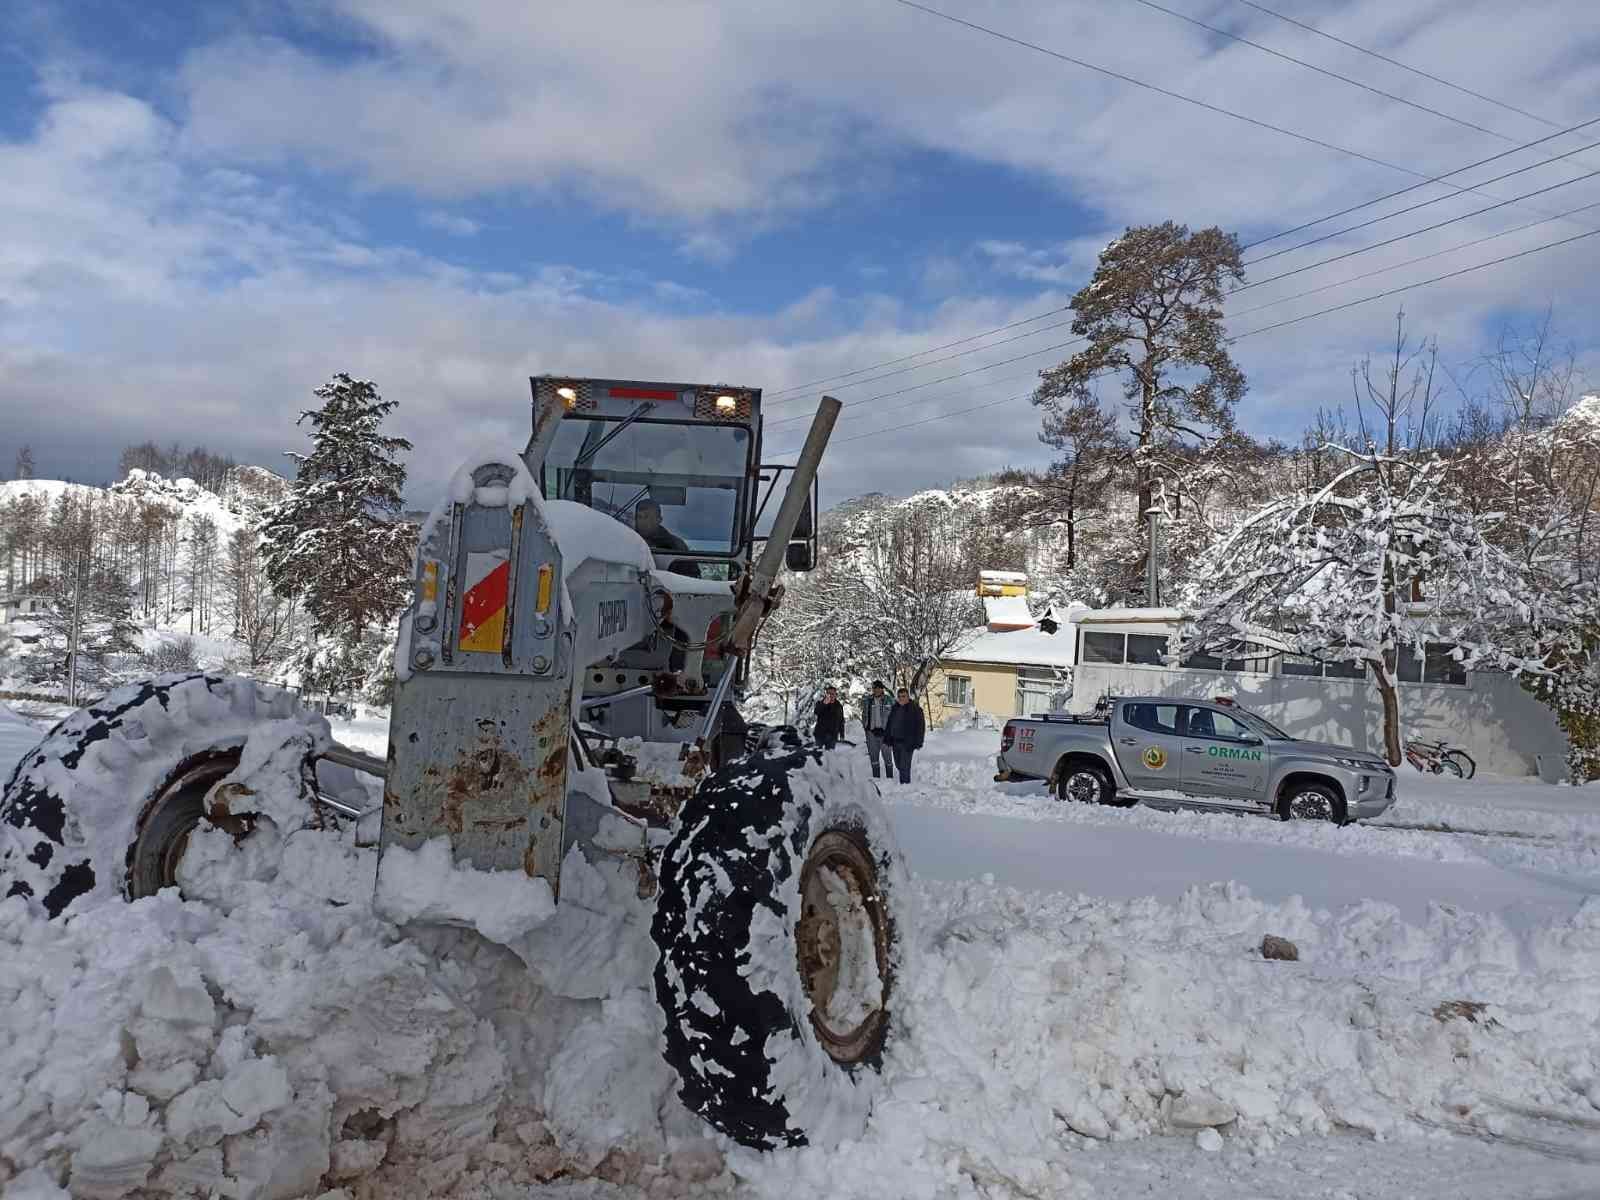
(1223, 761)
(1148, 737)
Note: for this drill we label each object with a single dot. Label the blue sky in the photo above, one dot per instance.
(217, 207)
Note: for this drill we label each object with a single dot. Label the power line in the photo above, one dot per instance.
(1400, 212)
(1268, 328)
(854, 409)
(1243, 288)
(933, 362)
(794, 393)
(1577, 237)
(1482, 162)
(1411, 262)
(1394, 62)
(1207, 105)
(947, 378)
(1300, 62)
(1478, 212)
(800, 387)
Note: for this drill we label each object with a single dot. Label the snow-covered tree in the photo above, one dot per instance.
(1383, 559)
(337, 540)
(23, 468)
(1152, 314)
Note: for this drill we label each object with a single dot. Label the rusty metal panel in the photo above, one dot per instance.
(480, 730)
(481, 759)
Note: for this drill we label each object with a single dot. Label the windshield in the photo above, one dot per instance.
(678, 484)
(1260, 724)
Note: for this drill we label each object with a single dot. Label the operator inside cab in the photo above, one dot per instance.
(647, 523)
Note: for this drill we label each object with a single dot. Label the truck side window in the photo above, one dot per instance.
(1153, 718)
(1204, 722)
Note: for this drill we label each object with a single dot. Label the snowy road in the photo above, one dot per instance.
(1086, 980)
(1124, 863)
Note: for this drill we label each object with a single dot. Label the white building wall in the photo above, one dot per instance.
(1492, 718)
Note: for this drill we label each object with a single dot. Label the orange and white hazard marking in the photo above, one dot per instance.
(483, 603)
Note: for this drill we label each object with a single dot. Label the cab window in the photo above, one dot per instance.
(1208, 723)
(1154, 718)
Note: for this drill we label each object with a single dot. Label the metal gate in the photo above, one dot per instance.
(1038, 688)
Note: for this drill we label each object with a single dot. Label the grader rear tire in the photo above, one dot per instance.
(780, 925)
(104, 805)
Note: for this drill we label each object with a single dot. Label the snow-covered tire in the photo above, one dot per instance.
(779, 856)
(1311, 802)
(101, 808)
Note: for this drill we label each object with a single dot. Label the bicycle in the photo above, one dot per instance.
(1440, 758)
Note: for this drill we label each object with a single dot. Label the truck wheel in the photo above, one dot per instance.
(1087, 783)
(104, 805)
(1311, 802)
(780, 929)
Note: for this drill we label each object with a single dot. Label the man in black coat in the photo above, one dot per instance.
(904, 732)
(830, 719)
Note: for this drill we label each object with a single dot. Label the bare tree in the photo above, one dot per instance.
(1089, 450)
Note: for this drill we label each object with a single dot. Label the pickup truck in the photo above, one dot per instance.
(1172, 753)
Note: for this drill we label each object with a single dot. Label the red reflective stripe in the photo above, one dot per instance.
(483, 600)
(622, 393)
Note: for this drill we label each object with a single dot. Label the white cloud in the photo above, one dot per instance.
(451, 223)
(164, 288)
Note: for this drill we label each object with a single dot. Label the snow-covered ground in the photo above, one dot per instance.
(1089, 1014)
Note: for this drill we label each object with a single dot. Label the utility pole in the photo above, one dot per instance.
(77, 625)
(1152, 579)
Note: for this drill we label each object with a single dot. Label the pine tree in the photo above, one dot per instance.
(336, 540)
(24, 466)
(1152, 313)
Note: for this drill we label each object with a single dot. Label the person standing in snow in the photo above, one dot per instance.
(904, 732)
(875, 709)
(829, 719)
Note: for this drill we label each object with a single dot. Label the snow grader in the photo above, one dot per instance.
(568, 679)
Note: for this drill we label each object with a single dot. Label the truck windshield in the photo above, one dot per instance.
(1260, 724)
(687, 478)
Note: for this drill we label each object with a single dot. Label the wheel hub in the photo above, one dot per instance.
(174, 813)
(1083, 787)
(842, 944)
(1309, 806)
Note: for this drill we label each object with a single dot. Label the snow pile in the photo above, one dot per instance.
(426, 885)
(274, 1037)
(1040, 1023)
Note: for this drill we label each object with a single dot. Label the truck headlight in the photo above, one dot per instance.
(1358, 764)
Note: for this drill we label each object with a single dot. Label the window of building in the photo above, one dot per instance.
(1102, 648)
(1256, 659)
(957, 691)
(1295, 664)
(1436, 666)
(1147, 650)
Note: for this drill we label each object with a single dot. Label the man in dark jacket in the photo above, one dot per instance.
(830, 719)
(875, 709)
(903, 734)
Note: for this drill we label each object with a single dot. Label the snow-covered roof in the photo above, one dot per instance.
(1007, 612)
(1030, 647)
(1112, 616)
(1003, 576)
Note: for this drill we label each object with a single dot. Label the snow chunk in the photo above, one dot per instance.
(582, 534)
(425, 885)
(521, 490)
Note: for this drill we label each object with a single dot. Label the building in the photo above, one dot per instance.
(1121, 652)
(20, 607)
